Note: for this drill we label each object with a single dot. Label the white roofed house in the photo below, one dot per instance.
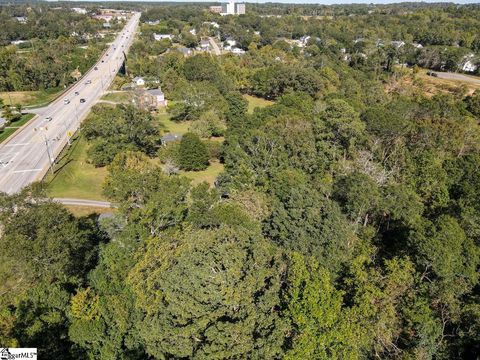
(469, 63)
(159, 37)
(138, 81)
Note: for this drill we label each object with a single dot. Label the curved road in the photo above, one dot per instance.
(26, 156)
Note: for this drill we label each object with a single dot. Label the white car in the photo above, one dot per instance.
(66, 101)
(48, 119)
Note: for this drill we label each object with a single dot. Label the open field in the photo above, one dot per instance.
(14, 126)
(30, 98)
(208, 175)
(121, 97)
(74, 177)
(170, 126)
(255, 102)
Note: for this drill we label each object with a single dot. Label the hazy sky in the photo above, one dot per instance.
(318, 1)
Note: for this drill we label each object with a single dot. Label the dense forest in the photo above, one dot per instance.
(346, 224)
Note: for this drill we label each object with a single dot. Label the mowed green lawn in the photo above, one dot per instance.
(75, 177)
(169, 126)
(121, 97)
(208, 175)
(14, 126)
(30, 98)
(255, 102)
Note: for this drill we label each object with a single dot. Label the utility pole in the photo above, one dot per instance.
(50, 159)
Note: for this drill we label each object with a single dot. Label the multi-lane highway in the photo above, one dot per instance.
(28, 155)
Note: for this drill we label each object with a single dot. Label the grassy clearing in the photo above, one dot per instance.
(14, 126)
(123, 97)
(255, 102)
(208, 175)
(170, 126)
(75, 177)
(30, 98)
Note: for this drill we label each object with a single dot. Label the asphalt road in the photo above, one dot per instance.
(83, 202)
(26, 156)
(458, 77)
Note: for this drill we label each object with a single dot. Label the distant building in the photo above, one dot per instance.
(216, 9)
(469, 64)
(18, 42)
(106, 25)
(155, 22)
(238, 51)
(240, 9)
(21, 19)
(230, 8)
(79, 10)
(212, 23)
(159, 37)
(417, 46)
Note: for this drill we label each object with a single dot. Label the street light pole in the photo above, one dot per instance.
(50, 159)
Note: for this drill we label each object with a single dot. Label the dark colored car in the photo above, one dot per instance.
(82, 101)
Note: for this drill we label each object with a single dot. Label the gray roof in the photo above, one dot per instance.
(137, 78)
(171, 137)
(155, 92)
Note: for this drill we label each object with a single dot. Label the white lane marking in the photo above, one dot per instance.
(23, 171)
(20, 144)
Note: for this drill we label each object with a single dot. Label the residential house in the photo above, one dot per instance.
(155, 22)
(168, 138)
(18, 42)
(469, 64)
(149, 99)
(159, 37)
(79, 10)
(417, 46)
(193, 32)
(238, 51)
(21, 19)
(204, 45)
(138, 81)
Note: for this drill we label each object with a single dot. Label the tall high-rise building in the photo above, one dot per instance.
(230, 8)
(240, 9)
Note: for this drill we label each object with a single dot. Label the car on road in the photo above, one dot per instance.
(95, 68)
(82, 101)
(66, 101)
(48, 119)
(77, 93)
(88, 82)
(431, 73)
